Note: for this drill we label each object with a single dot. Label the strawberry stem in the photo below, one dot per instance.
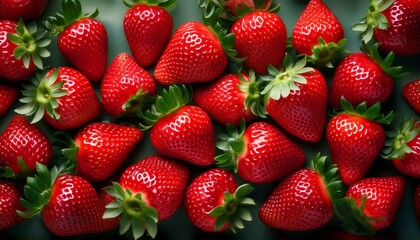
(254, 99)
(324, 54)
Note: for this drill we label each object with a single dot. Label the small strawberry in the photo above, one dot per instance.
(148, 28)
(9, 203)
(82, 39)
(214, 202)
(148, 192)
(64, 97)
(178, 130)
(125, 86)
(417, 202)
(8, 95)
(259, 153)
(411, 93)
(25, 9)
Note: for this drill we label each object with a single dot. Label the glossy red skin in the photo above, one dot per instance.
(269, 155)
(102, 148)
(186, 134)
(299, 203)
(303, 112)
(9, 199)
(147, 30)
(10, 68)
(8, 96)
(79, 106)
(261, 38)
(75, 208)
(403, 34)
(24, 140)
(84, 44)
(411, 93)
(417, 202)
(223, 100)
(410, 164)
(315, 21)
(194, 54)
(25, 9)
(384, 197)
(231, 5)
(160, 181)
(354, 143)
(123, 78)
(204, 194)
(359, 78)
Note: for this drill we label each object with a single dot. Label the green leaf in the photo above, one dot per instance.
(138, 228)
(112, 212)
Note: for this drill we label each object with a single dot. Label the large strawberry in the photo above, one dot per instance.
(180, 131)
(411, 93)
(148, 28)
(125, 86)
(8, 95)
(296, 98)
(82, 39)
(64, 97)
(25, 9)
(10, 195)
(259, 153)
(148, 192)
(214, 202)
(355, 138)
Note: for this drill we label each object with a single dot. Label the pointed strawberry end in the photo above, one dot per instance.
(137, 101)
(168, 5)
(254, 99)
(325, 54)
(396, 144)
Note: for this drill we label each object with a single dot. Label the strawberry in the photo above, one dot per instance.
(8, 95)
(99, 149)
(296, 98)
(411, 93)
(305, 199)
(259, 153)
(22, 145)
(82, 39)
(364, 76)
(9, 199)
(417, 202)
(178, 130)
(22, 49)
(125, 86)
(148, 28)
(395, 24)
(25, 9)
(403, 148)
(318, 34)
(355, 138)
(214, 202)
(148, 191)
(65, 95)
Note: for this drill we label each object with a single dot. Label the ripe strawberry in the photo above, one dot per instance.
(296, 98)
(305, 199)
(82, 39)
(260, 153)
(214, 202)
(364, 76)
(149, 191)
(411, 93)
(8, 95)
(22, 49)
(148, 28)
(22, 145)
(9, 199)
(355, 138)
(25, 9)
(65, 95)
(417, 202)
(178, 130)
(125, 86)
(394, 24)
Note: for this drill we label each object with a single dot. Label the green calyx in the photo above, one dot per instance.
(374, 19)
(168, 5)
(31, 44)
(137, 101)
(40, 96)
(71, 11)
(133, 210)
(7, 173)
(324, 54)
(254, 99)
(65, 149)
(234, 209)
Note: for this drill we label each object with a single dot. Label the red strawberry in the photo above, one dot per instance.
(411, 93)
(178, 130)
(214, 202)
(25, 9)
(260, 153)
(22, 49)
(22, 145)
(234, 6)
(9, 199)
(297, 99)
(304, 200)
(355, 138)
(148, 29)
(417, 202)
(149, 191)
(125, 86)
(82, 39)
(65, 95)
(8, 95)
